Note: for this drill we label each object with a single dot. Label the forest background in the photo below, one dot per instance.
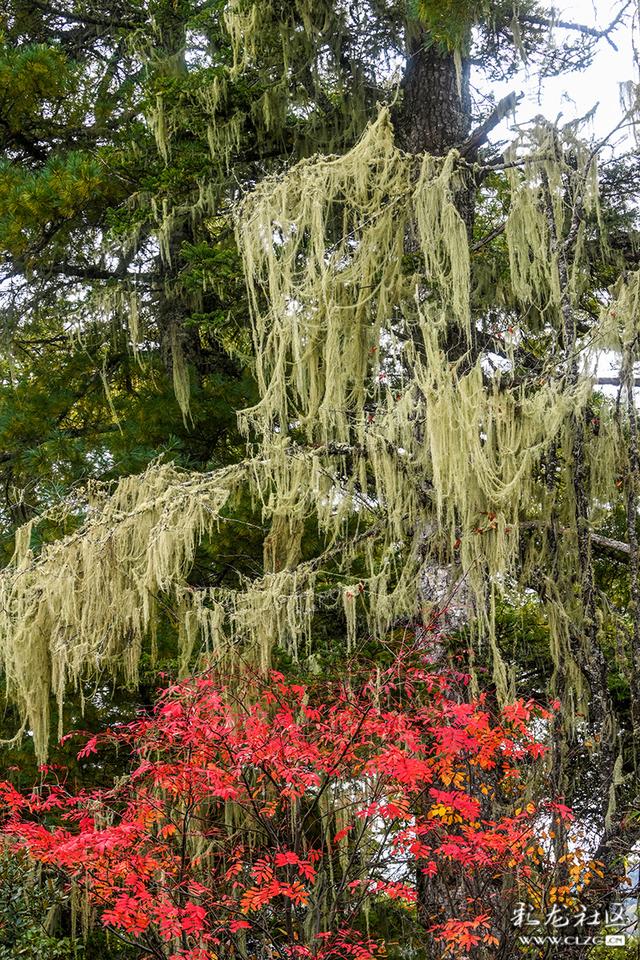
(431, 339)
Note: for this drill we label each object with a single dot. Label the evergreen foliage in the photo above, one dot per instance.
(271, 243)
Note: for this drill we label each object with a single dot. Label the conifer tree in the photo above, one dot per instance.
(429, 450)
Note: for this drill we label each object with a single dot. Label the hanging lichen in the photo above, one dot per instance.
(324, 249)
(84, 604)
(535, 174)
(404, 458)
(296, 52)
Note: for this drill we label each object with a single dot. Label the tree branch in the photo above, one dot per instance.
(480, 134)
(616, 548)
(579, 27)
(90, 272)
(489, 237)
(86, 18)
(614, 381)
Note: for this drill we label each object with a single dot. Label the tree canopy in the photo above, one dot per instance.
(303, 362)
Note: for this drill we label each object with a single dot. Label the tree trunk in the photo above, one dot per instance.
(435, 115)
(434, 118)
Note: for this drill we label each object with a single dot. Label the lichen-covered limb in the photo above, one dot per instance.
(368, 428)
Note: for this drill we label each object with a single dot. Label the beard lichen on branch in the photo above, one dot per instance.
(84, 603)
(359, 271)
(324, 247)
(294, 56)
(255, 88)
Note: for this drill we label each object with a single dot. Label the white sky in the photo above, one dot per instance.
(575, 94)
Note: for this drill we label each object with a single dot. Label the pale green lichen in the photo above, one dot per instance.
(399, 456)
